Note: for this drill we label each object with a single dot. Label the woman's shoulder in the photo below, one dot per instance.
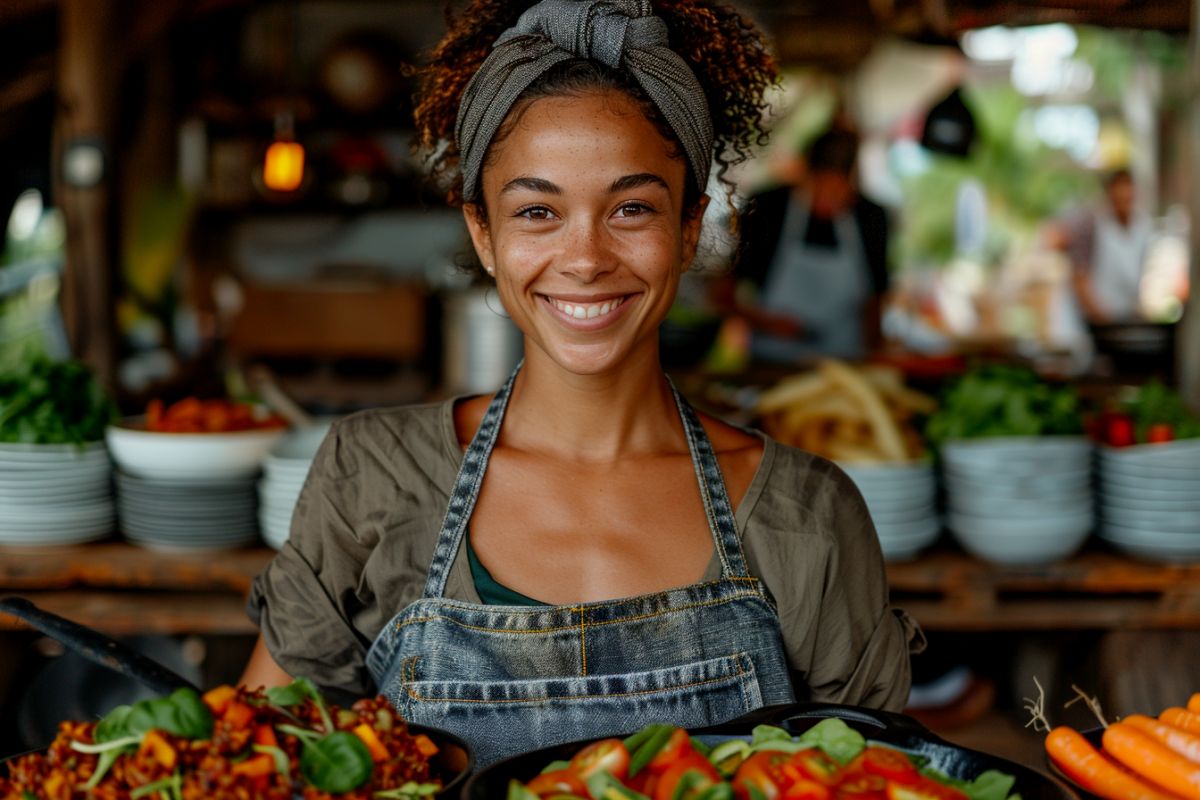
(392, 435)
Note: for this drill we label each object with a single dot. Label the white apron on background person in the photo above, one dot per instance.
(824, 288)
(1118, 253)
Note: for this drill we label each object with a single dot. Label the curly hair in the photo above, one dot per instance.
(727, 53)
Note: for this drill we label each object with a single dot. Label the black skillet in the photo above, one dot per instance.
(453, 762)
(896, 730)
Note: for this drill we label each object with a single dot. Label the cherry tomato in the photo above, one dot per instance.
(645, 782)
(678, 746)
(1118, 430)
(804, 789)
(693, 762)
(1160, 433)
(558, 781)
(891, 765)
(608, 755)
(764, 771)
(815, 765)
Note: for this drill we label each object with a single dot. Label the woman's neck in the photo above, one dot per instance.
(599, 418)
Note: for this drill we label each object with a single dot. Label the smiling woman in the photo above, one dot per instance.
(684, 570)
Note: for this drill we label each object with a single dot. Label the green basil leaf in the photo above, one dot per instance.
(114, 725)
(293, 694)
(182, 713)
(336, 763)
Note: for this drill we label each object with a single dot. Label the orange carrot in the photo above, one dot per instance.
(1182, 742)
(367, 734)
(154, 744)
(1194, 703)
(257, 766)
(1184, 720)
(1084, 764)
(218, 699)
(265, 735)
(238, 714)
(1153, 761)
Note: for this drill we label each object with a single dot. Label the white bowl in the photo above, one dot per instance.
(1033, 545)
(1182, 451)
(198, 456)
(1003, 449)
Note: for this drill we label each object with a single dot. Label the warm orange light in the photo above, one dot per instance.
(283, 170)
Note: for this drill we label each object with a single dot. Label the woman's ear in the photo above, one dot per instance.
(693, 220)
(481, 235)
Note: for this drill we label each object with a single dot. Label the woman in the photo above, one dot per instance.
(683, 570)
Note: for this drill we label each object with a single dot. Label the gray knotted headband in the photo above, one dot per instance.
(622, 34)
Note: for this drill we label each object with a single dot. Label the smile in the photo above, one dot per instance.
(587, 310)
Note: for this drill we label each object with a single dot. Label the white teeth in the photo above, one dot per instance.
(588, 311)
(579, 312)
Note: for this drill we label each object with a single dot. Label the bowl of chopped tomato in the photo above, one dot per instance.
(800, 752)
(195, 439)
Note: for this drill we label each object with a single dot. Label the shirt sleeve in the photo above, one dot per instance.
(304, 601)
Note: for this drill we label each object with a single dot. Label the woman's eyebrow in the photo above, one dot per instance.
(628, 182)
(533, 184)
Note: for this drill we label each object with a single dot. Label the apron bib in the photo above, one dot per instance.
(513, 679)
(825, 288)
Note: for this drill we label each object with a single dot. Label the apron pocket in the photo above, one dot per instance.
(501, 718)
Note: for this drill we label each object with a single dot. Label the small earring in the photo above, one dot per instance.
(490, 271)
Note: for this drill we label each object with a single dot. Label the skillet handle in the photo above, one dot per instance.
(867, 716)
(96, 647)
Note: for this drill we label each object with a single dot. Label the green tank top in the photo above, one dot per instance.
(491, 592)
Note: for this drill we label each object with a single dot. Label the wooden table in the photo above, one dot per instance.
(124, 589)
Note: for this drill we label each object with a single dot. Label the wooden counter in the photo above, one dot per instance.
(124, 589)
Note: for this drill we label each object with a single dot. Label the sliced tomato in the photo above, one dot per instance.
(608, 755)
(804, 789)
(815, 765)
(890, 765)
(765, 771)
(671, 779)
(558, 781)
(678, 746)
(644, 782)
(1159, 433)
(863, 786)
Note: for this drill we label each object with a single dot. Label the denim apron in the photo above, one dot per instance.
(509, 679)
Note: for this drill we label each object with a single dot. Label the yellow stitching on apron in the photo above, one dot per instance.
(561, 628)
(582, 639)
(741, 673)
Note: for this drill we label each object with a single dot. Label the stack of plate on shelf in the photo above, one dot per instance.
(52, 494)
(1149, 499)
(1019, 500)
(187, 514)
(284, 471)
(902, 499)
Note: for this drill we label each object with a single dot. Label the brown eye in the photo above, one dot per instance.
(536, 213)
(632, 210)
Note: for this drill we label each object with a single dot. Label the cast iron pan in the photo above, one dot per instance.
(892, 729)
(452, 764)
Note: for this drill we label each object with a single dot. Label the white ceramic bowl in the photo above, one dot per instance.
(1183, 452)
(190, 456)
(1031, 545)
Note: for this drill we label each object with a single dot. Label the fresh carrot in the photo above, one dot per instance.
(238, 714)
(265, 735)
(218, 699)
(425, 745)
(1084, 764)
(1153, 761)
(1182, 719)
(1194, 703)
(154, 744)
(367, 734)
(1182, 742)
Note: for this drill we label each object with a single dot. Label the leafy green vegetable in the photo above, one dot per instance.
(296, 693)
(181, 713)
(517, 791)
(49, 402)
(649, 748)
(409, 791)
(700, 747)
(1157, 404)
(836, 739)
(719, 791)
(282, 762)
(112, 733)
(336, 763)
(768, 733)
(603, 786)
(728, 756)
(991, 785)
(556, 765)
(1004, 401)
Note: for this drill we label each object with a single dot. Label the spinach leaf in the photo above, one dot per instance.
(336, 763)
(991, 785)
(49, 402)
(114, 725)
(181, 713)
(769, 733)
(297, 692)
(836, 739)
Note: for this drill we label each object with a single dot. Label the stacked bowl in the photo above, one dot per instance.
(55, 494)
(902, 499)
(188, 491)
(1149, 499)
(1019, 500)
(284, 471)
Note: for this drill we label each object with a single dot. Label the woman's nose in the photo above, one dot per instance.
(588, 252)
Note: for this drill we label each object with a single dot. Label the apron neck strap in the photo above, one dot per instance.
(470, 478)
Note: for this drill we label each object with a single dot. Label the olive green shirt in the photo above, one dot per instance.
(369, 514)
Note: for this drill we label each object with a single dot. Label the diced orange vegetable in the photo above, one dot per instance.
(265, 735)
(162, 751)
(218, 699)
(425, 745)
(52, 784)
(238, 714)
(259, 766)
(371, 740)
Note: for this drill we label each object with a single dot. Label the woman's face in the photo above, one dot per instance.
(585, 231)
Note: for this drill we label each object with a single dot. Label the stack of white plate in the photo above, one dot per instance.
(902, 499)
(178, 515)
(1149, 499)
(1019, 500)
(53, 494)
(284, 471)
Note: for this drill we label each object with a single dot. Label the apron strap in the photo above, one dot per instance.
(470, 477)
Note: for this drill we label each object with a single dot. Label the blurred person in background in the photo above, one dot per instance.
(814, 254)
(1107, 247)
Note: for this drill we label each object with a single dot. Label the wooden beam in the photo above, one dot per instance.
(87, 85)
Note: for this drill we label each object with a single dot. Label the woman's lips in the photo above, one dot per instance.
(590, 315)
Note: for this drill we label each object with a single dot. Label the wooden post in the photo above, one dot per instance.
(87, 85)
(1188, 341)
